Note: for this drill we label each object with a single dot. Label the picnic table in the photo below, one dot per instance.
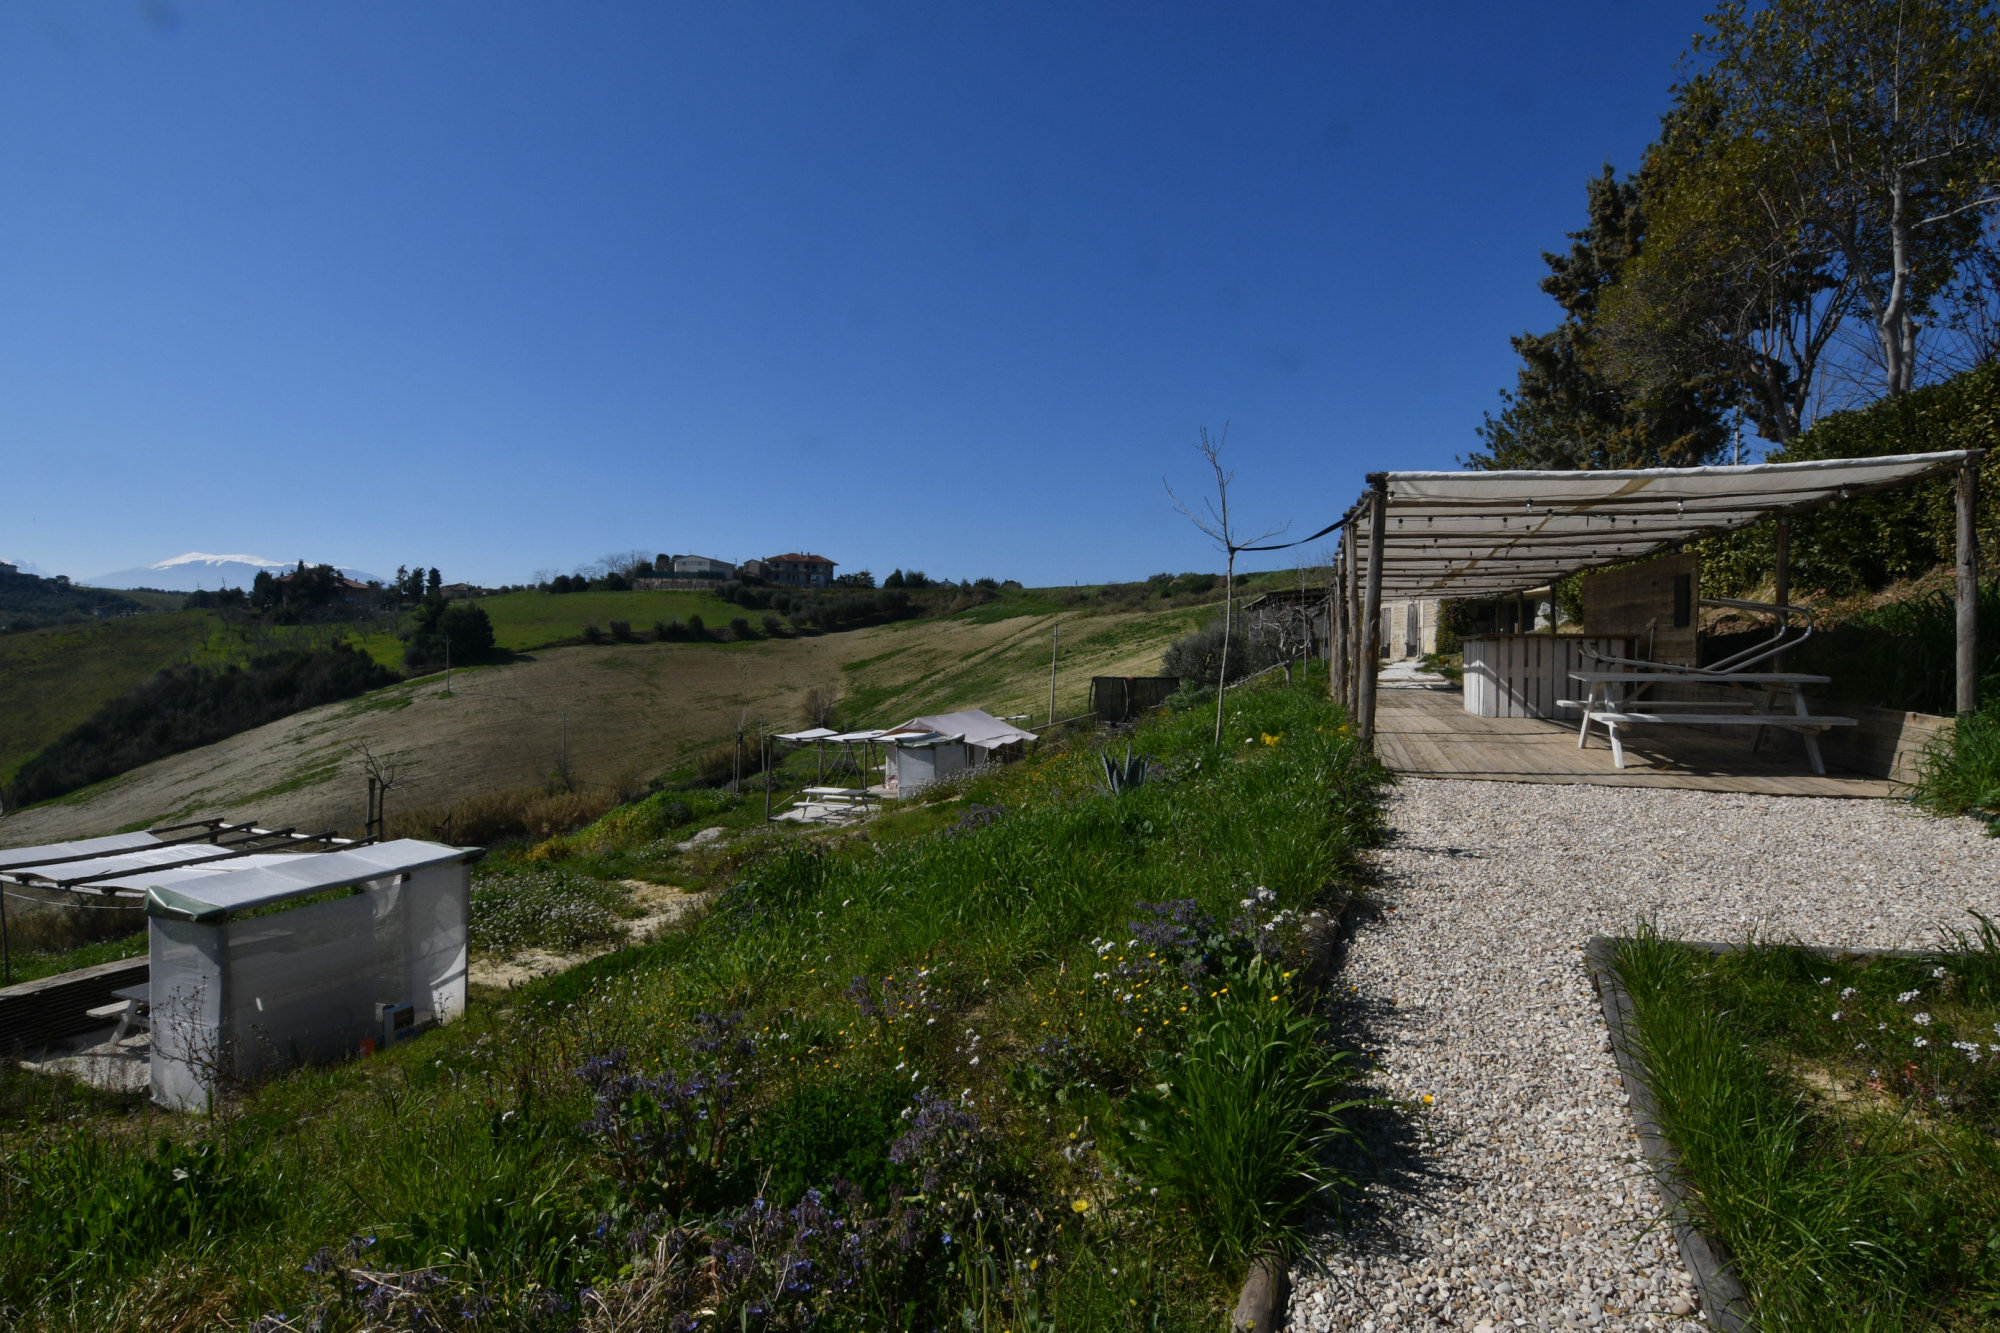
(130, 1005)
(1762, 692)
(838, 795)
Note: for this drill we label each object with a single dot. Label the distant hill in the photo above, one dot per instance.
(28, 601)
(197, 570)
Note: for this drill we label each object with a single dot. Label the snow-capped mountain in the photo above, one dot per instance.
(27, 567)
(197, 569)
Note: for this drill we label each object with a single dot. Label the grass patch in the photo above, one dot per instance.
(1836, 1119)
(34, 964)
(1959, 770)
(926, 1072)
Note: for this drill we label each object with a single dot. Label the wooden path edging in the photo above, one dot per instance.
(1723, 1300)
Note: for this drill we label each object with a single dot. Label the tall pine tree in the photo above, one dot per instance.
(1567, 410)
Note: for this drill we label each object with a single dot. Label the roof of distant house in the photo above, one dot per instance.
(803, 559)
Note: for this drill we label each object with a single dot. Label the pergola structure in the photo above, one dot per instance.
(1489, 534)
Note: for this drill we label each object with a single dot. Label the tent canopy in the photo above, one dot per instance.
(810, 734)
(974, 727)
(1484, 534)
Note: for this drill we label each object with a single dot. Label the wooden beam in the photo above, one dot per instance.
(1968, 587)
(1371, 608)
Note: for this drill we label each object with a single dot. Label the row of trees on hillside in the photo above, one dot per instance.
(1817, 226)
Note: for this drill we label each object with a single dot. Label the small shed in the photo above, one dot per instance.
(925, 749)
(263, 960)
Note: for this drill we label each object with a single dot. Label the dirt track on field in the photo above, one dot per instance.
(625, 710)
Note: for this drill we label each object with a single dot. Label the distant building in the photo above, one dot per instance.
(6, 568)
(799, 571)
(702, 567)
(463, 592)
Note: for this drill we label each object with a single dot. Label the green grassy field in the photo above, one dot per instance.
(929, 1035)
(52, 679)
(524, 621)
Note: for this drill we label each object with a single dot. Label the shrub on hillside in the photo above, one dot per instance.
(739, 628)
(496, 816)
(182, 708)
(447, 634)
(621, 630)
(592, 634)
(1197, 657)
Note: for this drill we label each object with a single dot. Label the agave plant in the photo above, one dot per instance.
(1120, 778)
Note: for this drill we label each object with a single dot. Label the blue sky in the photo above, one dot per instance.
(505, 287)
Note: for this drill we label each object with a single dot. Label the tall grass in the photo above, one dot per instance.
(1959, 770)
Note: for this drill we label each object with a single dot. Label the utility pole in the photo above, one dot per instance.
(1055, 646)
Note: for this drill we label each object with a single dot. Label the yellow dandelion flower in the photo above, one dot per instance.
(1080, 1205)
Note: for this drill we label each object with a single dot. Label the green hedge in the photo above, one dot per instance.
(1871, 541)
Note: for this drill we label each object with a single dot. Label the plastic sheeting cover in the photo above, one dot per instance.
(975, 726)
(257, 881)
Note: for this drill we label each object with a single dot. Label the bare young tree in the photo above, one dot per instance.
(385, 773)
(1213, 522)
(819, 704)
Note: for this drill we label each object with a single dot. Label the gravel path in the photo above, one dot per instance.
(1516, 1198)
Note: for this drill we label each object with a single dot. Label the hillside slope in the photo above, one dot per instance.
(624, 709)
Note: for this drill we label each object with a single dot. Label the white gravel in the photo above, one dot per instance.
(1516, 1197)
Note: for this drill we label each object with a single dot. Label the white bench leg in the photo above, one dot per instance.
(1589, 702)
(1617, 748)
(1811, 738)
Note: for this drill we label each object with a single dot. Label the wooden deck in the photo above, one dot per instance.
(1426, 732)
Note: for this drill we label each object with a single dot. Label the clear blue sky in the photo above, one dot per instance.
(503, 287)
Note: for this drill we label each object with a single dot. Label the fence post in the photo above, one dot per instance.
(1371, 625)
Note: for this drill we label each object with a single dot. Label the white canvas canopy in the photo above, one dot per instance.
(1489, 534)
(1483, 534)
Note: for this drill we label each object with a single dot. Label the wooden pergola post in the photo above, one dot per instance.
(1336, 665)
(1781, 578)
(1371, 611)
(1353, 592)
(1968, 585)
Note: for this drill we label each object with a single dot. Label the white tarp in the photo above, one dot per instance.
(1473, 534)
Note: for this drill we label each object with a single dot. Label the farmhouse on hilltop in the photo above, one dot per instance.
(799, 571)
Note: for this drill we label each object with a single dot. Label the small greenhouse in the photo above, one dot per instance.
(264, 960)
(925, 749)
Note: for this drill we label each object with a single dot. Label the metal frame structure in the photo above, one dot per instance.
(51, 870)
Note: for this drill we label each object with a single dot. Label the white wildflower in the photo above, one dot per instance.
(1921, 1020)
(1923, 1041)
(1907, 996)
(1836, 1015)
(1847, 993)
